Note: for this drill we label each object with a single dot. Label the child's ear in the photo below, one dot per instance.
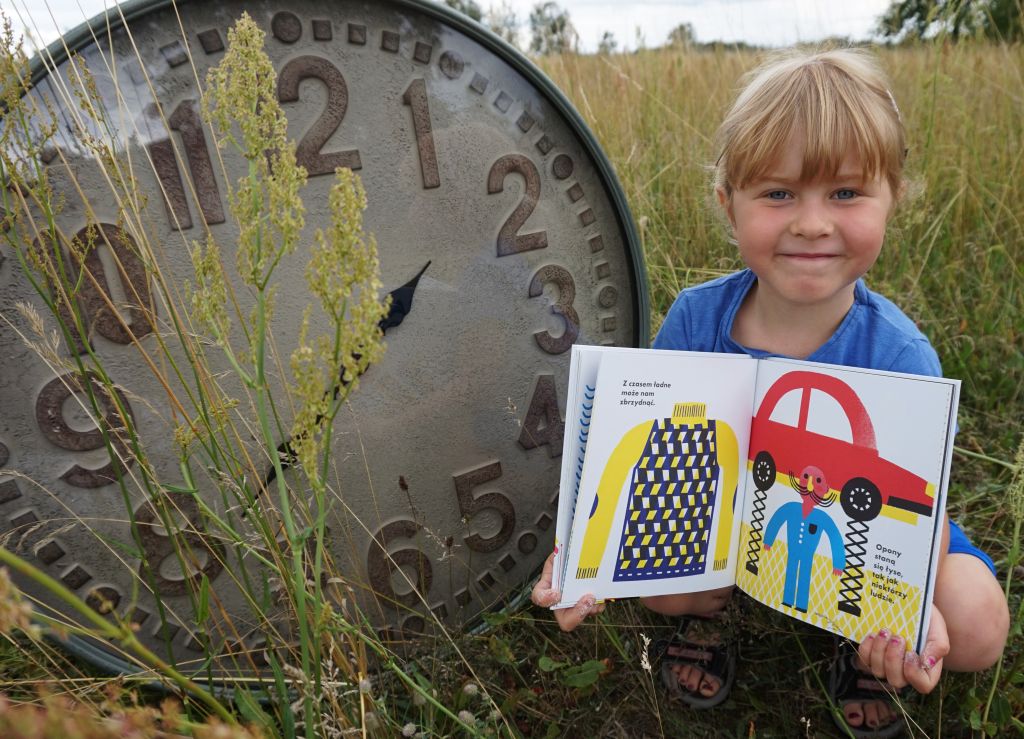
(726, 203)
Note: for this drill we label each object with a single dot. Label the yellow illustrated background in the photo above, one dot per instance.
(901, 617)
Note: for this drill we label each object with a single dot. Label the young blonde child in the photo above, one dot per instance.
(810, 170)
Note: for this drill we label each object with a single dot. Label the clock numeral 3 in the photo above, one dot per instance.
(187, 549)
(382, 563)
(416, 98)
(543, 423)
(56, 429)
(510, 241)
(554, 275)
(186, 121)
(308, 152)
(470, 506)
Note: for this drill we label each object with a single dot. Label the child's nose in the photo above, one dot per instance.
(811, 221)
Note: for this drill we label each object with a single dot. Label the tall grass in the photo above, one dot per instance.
(952, 261)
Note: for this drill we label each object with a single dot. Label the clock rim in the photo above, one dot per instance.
(89, 32)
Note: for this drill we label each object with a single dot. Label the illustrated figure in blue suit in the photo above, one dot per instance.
(805, 525)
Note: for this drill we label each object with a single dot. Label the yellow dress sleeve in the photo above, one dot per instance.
(609, 490)
(727, 451)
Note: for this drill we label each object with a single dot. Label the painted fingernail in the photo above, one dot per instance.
(930, 663)
(883, 633)
(896, 640)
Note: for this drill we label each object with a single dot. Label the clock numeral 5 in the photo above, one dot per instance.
(552, 274)
(56, 429)
(510, 241)
(308, 152)
(382, 563)
(470, 505)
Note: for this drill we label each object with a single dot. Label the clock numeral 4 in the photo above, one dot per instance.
(552, 274)
(543, 423)
(470, 505)
(510, 241)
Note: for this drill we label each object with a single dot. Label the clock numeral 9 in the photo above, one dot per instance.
(56, 430)
(470, 505)
(165, 558)
(381, 564)
(543, 423)
(96, 293)
(510, 241)
(186, 121)
(559, 277)
(308, 152)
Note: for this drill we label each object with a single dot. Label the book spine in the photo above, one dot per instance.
(586, 410)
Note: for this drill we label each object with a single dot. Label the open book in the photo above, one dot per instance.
(818, 490)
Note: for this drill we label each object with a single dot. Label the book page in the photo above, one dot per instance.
(847, 476)
(657, 506)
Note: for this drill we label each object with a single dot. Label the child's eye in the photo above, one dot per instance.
(777, 195)
(845, 194)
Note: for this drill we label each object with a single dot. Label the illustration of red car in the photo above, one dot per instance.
(864, 479)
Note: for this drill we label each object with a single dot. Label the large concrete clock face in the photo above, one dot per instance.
(448, 454)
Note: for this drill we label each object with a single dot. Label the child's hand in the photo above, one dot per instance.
(887, 658)
(545, 596)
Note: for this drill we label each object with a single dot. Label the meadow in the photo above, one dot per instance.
(953, 261)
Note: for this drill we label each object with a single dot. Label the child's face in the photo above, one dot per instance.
(809, 242)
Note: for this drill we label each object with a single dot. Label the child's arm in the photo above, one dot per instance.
(545, 596)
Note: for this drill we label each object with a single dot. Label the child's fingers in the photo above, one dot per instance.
(569, 618)
(922, 674)
(542, 594)
(893, 661)
(872, 652)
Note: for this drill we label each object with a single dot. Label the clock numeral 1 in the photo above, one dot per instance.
(186, 121)
(560, 278)
(308, 153)
(510, 241)
(415, 97)
(543, 423)
(52, 424)
(381, 563)
(186, 551)
(470, 505)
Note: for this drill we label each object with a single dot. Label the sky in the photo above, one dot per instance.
(761, 22)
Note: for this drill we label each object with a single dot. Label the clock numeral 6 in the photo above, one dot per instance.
(176, 563)
(510, 241)
(56, 430)
(382, 563)
(308, 152)
(470, 505)
(551, 274)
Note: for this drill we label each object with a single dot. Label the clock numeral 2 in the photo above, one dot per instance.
(308, 152)
(55, 428)
(186, 121)
(510, 241)
(560, 277)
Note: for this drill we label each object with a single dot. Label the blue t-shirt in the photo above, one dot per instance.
(875, 334)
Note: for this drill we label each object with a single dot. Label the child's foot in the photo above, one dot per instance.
(869, 705)
(698, 672)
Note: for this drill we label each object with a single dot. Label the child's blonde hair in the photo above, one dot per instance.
(836, 101)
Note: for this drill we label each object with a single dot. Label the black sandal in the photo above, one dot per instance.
(714, 660)
(847, 684)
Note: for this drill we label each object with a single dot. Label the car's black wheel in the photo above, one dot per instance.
(860, 499)
(763, 471)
